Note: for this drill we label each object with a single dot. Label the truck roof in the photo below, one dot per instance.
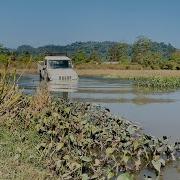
(57, 58)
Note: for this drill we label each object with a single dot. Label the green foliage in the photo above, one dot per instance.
(158, 82)
(24, 57)
(37, 58)
(86, 47)
(145, 52)
(86, 140)
(141, 49)
(4, 54)
(10, 96)
(4, 58)
(176, 57)
(94, 58)
(23, 49)
(151, 54)
(170, 65)
(102, 48)
(3, 50)
(119, 52)
(19, 157)
(142, 53)
(79, 57)
(125, 176)
(166, 50)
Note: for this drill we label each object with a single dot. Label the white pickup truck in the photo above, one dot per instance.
(57, 68)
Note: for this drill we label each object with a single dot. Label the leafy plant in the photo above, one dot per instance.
(158, 82)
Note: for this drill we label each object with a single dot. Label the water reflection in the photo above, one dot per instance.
(60, 86)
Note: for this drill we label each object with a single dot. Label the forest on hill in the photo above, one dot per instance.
(101, 48)
(144, 52)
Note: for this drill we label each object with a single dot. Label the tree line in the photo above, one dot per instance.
(144, 51)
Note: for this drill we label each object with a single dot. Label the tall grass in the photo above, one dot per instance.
(11, 98)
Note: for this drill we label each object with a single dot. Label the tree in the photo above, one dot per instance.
(141, 49)
(119, 52)
(26, 48)
(165, 49)
(4, 54)
(4, 50)
(146, 53)
(24, 57)
(152, 60)
(79, 57)
(1, 48)
(176, 57)
(94, 57)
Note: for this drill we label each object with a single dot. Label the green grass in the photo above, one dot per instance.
(19, 157)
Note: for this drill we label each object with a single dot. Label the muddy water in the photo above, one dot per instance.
(157, 113)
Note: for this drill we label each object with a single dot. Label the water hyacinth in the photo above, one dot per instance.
(158, 82)
(84, 140)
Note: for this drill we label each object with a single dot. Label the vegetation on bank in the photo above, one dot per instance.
(161, 83)
(56, 138)
(127, 74)
(142, 54)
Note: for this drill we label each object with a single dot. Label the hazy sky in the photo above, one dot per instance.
(41, 22)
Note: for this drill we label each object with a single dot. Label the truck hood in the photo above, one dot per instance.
(54, 74)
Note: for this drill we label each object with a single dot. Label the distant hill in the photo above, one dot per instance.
(88, 47)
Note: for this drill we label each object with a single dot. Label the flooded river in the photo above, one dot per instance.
(157, 113)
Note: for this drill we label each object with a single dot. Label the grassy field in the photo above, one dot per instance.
(110, 73)
(128, 73)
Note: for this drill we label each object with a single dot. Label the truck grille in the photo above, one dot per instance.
(65, 78)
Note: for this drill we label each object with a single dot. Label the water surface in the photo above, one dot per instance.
(158, 113)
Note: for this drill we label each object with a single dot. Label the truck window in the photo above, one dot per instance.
(55, 64)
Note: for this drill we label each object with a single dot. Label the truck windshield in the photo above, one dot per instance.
(55, 64)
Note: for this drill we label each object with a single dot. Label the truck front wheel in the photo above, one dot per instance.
(40, 75)
(47, 78)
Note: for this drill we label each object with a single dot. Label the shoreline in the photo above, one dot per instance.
(110, 73)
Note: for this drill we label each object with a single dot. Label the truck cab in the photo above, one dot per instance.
(57, 68)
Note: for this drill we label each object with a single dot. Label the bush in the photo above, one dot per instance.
(170, 65)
